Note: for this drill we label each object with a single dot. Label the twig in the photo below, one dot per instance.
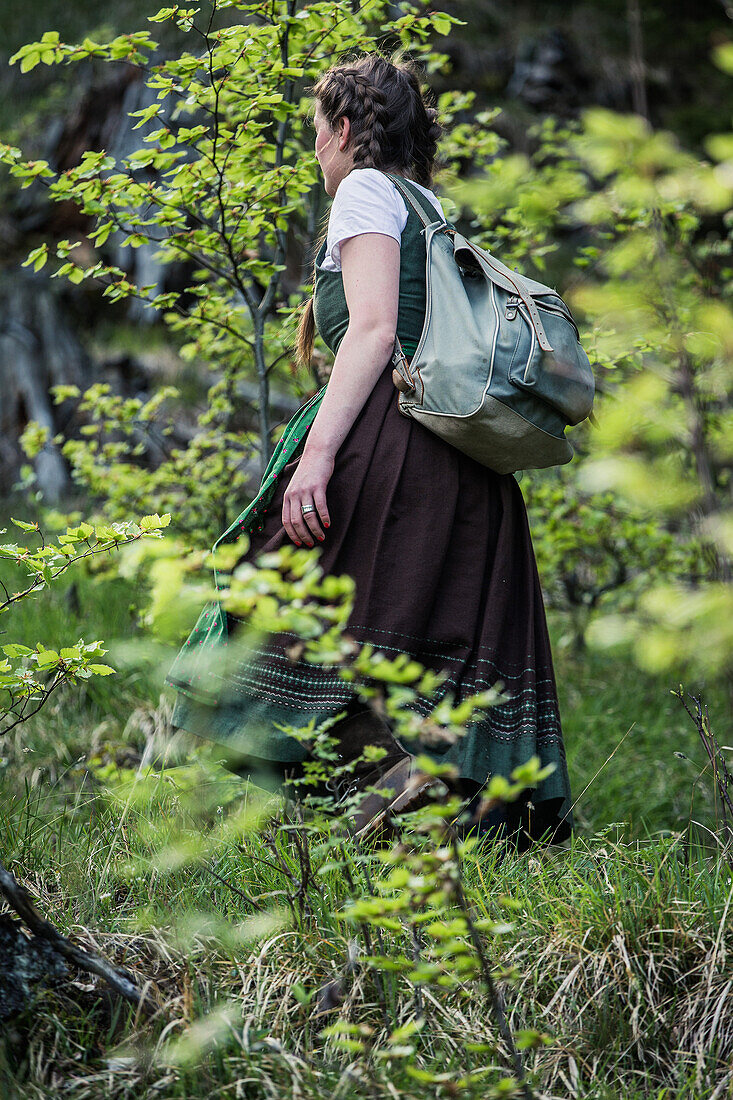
(416, 946)
(722, 776)
(636, 59)
(266, 863)
(23, 717)
(364, 929)
(593, 779)
(19, 899)
(235, 889)
(488, 978)
(300, 843)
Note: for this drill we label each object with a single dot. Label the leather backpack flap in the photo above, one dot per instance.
(504, 277)
(569, 386)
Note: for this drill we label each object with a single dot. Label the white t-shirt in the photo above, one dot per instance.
(366, 202)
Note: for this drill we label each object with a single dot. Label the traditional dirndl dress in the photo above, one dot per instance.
(440, 552)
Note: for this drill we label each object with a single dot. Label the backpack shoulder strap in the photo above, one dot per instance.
(424, 209)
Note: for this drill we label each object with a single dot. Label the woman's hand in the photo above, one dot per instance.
(308, 487)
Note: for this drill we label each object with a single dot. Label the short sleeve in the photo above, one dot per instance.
(365, 202)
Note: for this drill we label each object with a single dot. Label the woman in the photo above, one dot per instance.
(438, 545)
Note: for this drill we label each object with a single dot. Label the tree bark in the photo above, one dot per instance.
(38, 349)
(19, 900)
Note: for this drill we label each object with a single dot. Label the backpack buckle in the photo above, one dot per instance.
(401, 373)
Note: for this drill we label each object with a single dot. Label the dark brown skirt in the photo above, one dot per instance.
(440, 551)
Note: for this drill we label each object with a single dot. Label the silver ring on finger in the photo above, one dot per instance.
(308, 508)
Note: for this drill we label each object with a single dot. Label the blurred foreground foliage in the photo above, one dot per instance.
(649, 229)
(287, 958)
(197, 817)
(283, 955)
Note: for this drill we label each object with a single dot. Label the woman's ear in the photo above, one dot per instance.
(344, 126)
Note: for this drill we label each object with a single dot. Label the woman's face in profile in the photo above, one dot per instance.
(335, 162)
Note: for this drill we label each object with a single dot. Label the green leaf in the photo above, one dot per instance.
(29, 62)
(529, 1039)
(425, 1077)
(83, 531)
(23, 525)
(407, 1031)
(63, 393)
(101, 670)
(154, 522)
(719, 146)
(105, 533)
(723, 57)
(145, 115)
(441, 23)
(163, 14)
(47, 658)
(37, 257)
(101, 234)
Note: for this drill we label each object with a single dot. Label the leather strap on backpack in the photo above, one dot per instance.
(487, 260)
(407, 194)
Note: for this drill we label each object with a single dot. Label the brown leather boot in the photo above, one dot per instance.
(354, 733)
(399, 787)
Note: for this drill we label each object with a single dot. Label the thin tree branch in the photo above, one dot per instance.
(636, 60)
(491, 987)
(235, 889)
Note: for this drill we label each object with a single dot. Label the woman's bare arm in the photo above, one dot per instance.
(370, 265)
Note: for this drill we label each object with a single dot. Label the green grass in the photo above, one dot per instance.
(610, 707)
(619, 951)
(620, 943)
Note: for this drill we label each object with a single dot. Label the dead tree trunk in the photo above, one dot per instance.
(38, 349)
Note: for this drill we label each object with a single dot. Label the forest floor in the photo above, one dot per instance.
(618, 952)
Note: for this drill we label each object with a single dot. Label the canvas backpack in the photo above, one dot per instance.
(498, 371)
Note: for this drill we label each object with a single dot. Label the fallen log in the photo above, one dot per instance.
(20, 901)
(24, 963)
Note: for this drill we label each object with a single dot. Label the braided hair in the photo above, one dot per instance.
(392, 128)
